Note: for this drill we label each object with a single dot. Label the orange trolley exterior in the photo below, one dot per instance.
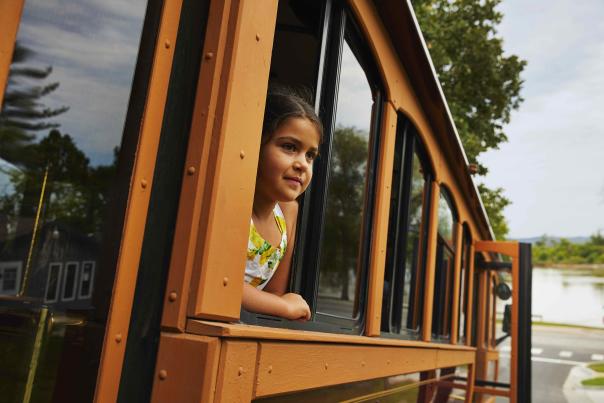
(146, 304)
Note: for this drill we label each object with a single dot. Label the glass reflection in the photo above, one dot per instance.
(445, 219)
(60, 129)
(340, 250)
(413, 277)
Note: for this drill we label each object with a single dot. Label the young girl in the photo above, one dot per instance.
(291, 134)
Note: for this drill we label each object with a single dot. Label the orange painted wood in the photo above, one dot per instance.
(188, 223)
(380, 224)
(186, 369)
(430, 262)
(237, 374)
(320, 365)
(116, 332)
(492, 391)
(509, 248)
(229, 330)
(218, 272)
(469, 314)
(456, 283)
(470, 382)
(515, 325)
(10, 16)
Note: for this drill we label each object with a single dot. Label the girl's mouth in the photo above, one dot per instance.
(296, 181)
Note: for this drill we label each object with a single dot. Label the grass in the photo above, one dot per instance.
(539, 323)
(597, 366)
(599, 381)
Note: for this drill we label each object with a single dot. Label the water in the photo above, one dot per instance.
(568, 296)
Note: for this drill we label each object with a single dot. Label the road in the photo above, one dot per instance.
(555, 350)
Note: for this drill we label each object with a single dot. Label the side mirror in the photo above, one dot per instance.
(503, 291)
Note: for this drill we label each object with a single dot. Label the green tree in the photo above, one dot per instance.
(481, 84)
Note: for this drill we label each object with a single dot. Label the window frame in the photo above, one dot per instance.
(58, 283)
(442, 316)
(92, 265)
(76, 278)
(411, 145)
(339, 26)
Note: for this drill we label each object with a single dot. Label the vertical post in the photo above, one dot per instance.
(456, 283)
(430, 261)
(10, 16)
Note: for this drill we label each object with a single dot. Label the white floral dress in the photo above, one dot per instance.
(262, 257)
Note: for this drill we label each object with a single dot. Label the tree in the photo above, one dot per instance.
(482, 86)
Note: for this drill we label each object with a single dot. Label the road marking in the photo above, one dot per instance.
(536, 350)
(565, 354)
(551, 360)
(597, 357)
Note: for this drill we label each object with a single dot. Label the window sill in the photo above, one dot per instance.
(238, 330)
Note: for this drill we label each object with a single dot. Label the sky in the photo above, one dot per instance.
(552, 168)
(92, 48)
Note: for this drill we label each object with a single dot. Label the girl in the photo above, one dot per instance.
(291, 134)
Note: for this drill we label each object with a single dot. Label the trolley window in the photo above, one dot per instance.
(442, 302)
(403, 296)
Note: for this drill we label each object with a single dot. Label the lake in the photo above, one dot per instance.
(568, 296)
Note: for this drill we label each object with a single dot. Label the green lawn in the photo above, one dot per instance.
(599, 381)
(597, 366)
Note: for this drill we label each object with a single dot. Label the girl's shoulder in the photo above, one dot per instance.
(290, 212)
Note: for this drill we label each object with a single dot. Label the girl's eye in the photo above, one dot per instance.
(288, 146)
(311, 156)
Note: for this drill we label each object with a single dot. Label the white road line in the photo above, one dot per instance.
(536, 350)
(565, 354)
(551, 360)
(597, 357)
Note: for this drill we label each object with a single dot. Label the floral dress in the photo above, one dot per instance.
(262, 257)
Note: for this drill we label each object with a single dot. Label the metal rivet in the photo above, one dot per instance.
(191, 170)
(270, 369)
(242, 154)
(163, 374)
(326, 365)
(118, 338)
(240, 372)
(257, 37)
(225, 281)
(362, 363)
(209, 55)
(388, 362)
(167, 44)
(172, 296)
(143, 183)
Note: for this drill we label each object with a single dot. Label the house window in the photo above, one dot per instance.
(70, 280)
(86, 280)
(10, 277)
(53, 281)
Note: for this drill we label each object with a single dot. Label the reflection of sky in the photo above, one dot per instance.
(354, 95)
(92, 47)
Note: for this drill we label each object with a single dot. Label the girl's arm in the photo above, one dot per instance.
(290, 306)
(278, 284)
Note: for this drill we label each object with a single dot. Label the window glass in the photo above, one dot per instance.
(86, 279)
(442, 303)
(61, 127)
(413, 278)
(404, 276)
(445, 219)
(463, 288)
(341, 253)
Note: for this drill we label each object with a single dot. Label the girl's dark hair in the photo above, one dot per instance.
(283, 103)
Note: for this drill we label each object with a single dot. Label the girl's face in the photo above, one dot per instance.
(286, 159)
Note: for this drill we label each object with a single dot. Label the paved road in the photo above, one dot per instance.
(555, 351)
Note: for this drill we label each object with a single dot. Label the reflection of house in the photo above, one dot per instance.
(61, 270)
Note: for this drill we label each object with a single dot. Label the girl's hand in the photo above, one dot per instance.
(297, 308)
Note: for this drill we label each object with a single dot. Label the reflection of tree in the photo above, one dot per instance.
(22, 111)
(344, 207)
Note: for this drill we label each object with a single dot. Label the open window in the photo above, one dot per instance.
(402, 306)
(318, 47)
